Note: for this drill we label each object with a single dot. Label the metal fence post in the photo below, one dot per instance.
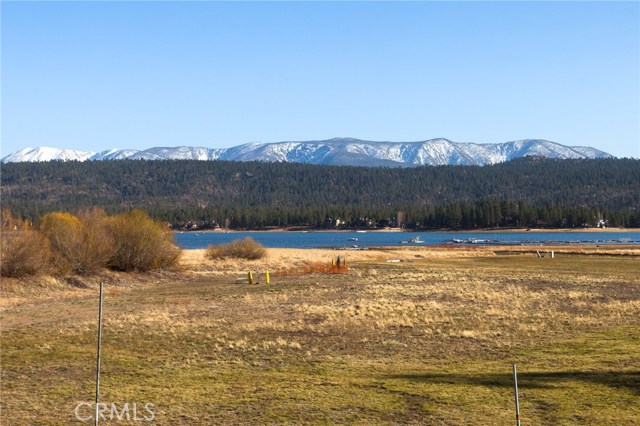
(98, 356)
(515, 390)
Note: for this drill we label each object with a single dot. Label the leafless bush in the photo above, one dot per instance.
(64, 232)
(96, 247)
(246, 248)
(23, 253)
(80, 245)
(83, 245)
(140, 244)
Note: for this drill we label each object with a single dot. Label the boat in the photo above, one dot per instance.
(478, 241)
(413, 240)
(352, 239)
(470, 241)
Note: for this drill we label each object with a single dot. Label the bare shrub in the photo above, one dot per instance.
(64, 232)
(141, 244)
(247, 248)
(83, 245)
(80, 245)
(96, 247)
(23, 253)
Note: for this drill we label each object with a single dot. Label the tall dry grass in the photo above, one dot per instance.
(313, 268)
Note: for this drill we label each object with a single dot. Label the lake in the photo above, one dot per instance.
(324, 239)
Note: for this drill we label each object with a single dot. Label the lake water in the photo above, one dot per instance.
(284, 239)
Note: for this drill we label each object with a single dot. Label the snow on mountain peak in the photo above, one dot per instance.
(45, 153)
(336, 151)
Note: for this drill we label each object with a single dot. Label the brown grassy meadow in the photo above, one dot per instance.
(426, 339)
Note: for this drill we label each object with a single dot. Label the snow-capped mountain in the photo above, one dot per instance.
(177, 153)
(337, 151)
(46, 154)
(114, 154)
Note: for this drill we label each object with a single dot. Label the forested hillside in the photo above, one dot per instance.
(524, 192)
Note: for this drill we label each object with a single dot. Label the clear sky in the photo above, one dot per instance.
(99, 75)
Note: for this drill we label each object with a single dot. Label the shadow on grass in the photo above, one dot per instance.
(614, 379)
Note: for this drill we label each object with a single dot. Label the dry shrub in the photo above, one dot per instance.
(141, 244)
(80, 245)
(86, 244)
(23, 253)
(247, 248)
(64, 232)
(97, 242)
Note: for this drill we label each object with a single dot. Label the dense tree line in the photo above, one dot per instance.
(523, 192)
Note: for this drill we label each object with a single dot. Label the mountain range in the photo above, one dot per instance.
(336, 151)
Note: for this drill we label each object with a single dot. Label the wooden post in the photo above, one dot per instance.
(515, 390)
(98, 356)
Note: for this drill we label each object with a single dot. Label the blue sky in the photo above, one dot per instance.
(99, 75)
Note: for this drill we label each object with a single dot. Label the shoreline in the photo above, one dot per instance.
(397, 230)
(194, 259)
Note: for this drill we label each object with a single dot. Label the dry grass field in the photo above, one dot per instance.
(418, 336)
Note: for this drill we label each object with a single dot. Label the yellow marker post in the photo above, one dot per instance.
(344, 263)
(266, 277)
(250, 277)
